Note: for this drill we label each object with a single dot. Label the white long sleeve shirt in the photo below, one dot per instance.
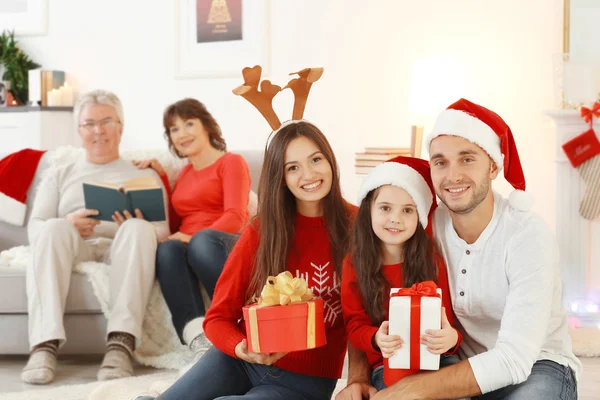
(61, 192)
(506, 293)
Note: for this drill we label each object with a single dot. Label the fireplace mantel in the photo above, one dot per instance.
(578, 239)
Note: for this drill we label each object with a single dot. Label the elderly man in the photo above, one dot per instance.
(63, 233)
(503, 272)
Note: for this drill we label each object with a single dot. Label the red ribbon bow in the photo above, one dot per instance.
(423, 289)
(589, 114)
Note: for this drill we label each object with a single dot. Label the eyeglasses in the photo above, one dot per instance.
(105, 124)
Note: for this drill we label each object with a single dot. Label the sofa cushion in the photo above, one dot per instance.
(81, 298)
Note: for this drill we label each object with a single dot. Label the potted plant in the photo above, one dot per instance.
(14, 68)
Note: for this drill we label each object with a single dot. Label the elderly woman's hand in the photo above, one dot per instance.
(82, 221)
(152, 163)
(120, 218)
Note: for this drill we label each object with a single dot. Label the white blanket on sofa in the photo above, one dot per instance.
(160, 347)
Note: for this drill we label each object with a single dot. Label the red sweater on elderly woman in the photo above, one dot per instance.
(359, 325)
(215, 197)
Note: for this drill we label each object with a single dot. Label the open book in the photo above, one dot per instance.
(143, 193)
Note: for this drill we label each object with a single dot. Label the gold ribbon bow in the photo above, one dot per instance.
(284, 289)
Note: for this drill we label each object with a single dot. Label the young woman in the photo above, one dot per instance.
(391, 249)
(209, 209)
(301, 227)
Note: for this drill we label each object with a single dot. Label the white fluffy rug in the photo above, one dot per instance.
(586, 342)
(120, 389)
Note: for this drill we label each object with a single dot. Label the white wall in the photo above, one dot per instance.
(504, 47)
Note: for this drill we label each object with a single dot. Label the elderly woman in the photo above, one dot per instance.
(63, 233)
(210, 208)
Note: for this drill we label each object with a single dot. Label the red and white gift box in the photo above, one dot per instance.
(413, 311)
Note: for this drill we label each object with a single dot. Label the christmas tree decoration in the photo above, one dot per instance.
(583, 152)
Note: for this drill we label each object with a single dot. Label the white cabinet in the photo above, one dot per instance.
(37, 128)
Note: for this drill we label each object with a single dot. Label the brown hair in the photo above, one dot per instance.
(277, 207)
(419, 261)
(191, 109)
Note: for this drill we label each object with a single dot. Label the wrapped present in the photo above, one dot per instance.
(413, 311)
(286, 318)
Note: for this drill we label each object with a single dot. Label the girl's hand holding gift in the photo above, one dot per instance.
(241, 351)
(386, 343)
(441, 340)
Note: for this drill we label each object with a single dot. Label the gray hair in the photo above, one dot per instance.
(98, 97)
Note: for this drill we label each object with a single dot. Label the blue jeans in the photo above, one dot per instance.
(218, 376)
(180, 267)
(377, 375)
(548, 381)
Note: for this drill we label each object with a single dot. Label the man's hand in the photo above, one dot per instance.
(357, 391)
(120, 218)
(152, 163)
(241, 351)
(82, 221)
(441, 340)
(182, 237)
(386, 343)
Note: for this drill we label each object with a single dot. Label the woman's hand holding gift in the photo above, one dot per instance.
(441, 340)
(388, 344)
(241, 351)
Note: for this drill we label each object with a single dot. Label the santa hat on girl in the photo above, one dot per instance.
(410, 174)
(487, 130)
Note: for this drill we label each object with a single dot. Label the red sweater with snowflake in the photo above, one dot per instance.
(359, 325)
(311, 259)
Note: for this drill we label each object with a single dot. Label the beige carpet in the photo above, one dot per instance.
(120, 389)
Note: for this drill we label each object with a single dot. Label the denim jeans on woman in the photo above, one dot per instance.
(219, 376)
(180, 267)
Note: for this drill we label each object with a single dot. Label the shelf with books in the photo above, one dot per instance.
(364, 162)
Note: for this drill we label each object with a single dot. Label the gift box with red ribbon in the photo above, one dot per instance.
(286, 317)
(413, 311)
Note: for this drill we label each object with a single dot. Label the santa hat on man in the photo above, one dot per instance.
(487, 130)
(410, 174)
(17, 171)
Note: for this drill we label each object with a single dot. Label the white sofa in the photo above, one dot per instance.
(84, 322)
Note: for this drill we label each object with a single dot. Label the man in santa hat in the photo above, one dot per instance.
(62, 233)
(502, 268)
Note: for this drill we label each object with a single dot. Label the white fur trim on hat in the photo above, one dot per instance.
(520, 200)
(404, 177)
(459, 123)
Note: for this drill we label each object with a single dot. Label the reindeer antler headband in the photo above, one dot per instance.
(263, 99)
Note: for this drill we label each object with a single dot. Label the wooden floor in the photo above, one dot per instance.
(78, 369)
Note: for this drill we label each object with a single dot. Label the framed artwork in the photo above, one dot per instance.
(25, 17)
(217, 38)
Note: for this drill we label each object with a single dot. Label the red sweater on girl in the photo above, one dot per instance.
(214, 197)
(311, 259)
(359, 325)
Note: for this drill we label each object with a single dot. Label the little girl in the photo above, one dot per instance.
(392, 247)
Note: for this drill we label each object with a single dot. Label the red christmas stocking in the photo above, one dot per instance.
(583, 152)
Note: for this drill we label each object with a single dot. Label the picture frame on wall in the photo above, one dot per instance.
(24, 17)
(218, 38)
